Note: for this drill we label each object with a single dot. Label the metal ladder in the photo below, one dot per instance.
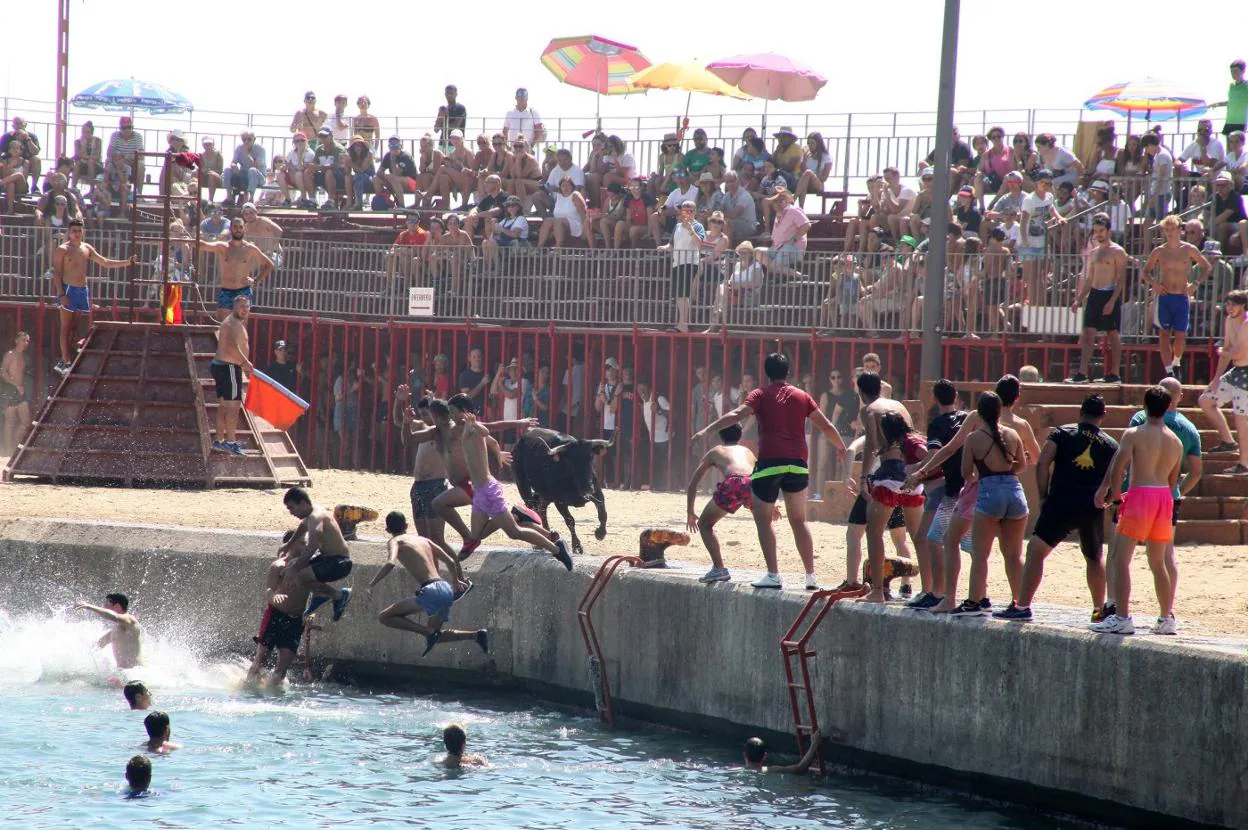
(597, 664)
(794, 650)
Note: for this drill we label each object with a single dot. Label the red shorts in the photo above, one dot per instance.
(733, 492)
(466, 486)
(1146, 514)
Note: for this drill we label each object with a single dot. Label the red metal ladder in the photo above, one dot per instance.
(794, 649)
(597, 664)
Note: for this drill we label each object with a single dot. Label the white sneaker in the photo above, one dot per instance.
(1114, 624)
(812, 582)
(1165, 625)
(767, 581)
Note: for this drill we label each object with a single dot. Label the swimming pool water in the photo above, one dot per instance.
(331, 756)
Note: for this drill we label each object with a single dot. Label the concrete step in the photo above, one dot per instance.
(1222, 485)
(1211, 532)
(1208, 508)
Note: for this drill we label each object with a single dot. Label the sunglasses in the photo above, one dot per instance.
(834, 377)
(309, 99)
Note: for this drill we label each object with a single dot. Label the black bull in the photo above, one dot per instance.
(556, 468)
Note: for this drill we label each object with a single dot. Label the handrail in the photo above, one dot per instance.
(584, 611)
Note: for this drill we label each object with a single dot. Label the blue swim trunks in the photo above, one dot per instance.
(225, 296)
(435, 598)
(79, 299)
(1172, 312)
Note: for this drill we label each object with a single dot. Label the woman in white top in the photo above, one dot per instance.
(509, 387)
(567, 220)
(1236, 158)
(740, 287)
(619, 163)
(511, 230)
(685, 247)
(816, 167)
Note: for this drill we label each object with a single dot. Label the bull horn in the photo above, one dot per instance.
(554, 452)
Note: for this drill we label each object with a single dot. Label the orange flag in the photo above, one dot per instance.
(273, 402)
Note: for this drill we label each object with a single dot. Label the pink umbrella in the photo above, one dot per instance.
(770, 77)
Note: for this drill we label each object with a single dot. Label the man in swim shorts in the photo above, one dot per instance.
(940, 486)
(1154, 454)
(1230, 383)
(125, 633)
(429, 469)
(1174, 259)
(228, 366)
(324, 557)
(421, 557)
(238, 259)
(1100, 293)
(734, 463)
(69, 285)
(281, 626)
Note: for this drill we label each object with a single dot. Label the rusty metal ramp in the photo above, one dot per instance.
(137, 408)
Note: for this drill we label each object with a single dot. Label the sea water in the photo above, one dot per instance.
(322, 756)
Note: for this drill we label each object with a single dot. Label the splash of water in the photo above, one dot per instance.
(59, 648)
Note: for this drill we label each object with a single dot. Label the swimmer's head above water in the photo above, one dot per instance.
(454, 738)
(137, 695)
(755, 752)
(139, 774)
(158, 728)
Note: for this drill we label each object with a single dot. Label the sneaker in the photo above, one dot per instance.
(1111, 379)
(1013, 612)
(340, 604)
(1099, 614)
(61, 368)
(1165, 625)
(219, 446)
(906, 591)
(1077, 377)
(1235, 470)
(1114, 624)
(468, 547)
(314, 604)
(233, 447)
(968, 608)
(483, 640)
(768, 581)
(922, 602)
(561, 553)
(431, 640)
(812, 582)
(715, 575)
(985, 605)
(1225, 446)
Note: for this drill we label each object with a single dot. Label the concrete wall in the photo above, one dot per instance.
(1128, 729)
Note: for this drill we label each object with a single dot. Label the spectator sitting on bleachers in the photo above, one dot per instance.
(1236, 158)
(1058, 160)
(428, 163)
(272, 192)
(1009, 199)
(716, 167)
(178, 176)
(361, 168)
(887, 292)
(788, 237)
(569, 216)
(215, 226)
(88, 156)
(211, 167)
(58, 186)
(510, 231)
(663, 219)
(639, 206)
(742, 286)
(614, 212)
(788, 155)
(738, 158)
(620, 164)
(1205, 156)
(840, 306)
(739, 208)
(696, 159)
(709, 199)
(247, 170)
(13, 175)
(523, 175)
(122, 145)
(366, 124)
(816, 167)
(309, 119)
(405, 255)
(548, 160)
(773, 180)
(28, 143)
(714, 246)
(920, 215)
(1026, 161)
(896, 202)
(544, 199)
(455, 173)
(489, 207)
(595, 167)
(858, 227)
(664, 179)
(964, 211)
(1229, 217)
(994, 164)
(298, 170)
(396, 176)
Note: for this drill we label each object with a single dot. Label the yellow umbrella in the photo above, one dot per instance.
(691, 77)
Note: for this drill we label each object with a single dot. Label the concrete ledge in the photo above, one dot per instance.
(1136, 730)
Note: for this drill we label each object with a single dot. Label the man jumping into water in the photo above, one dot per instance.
(420, 557)
(1174, 259)
(324, 558)
(124, 636)
(238, 259)
(69, 284)
(281, 627)
(734, 463)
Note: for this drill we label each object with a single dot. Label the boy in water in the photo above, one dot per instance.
(137, 695)
(324, 557)
(735, 463)
(138, 777)
(281, 627)
(455, 738)
(756, 756)
(420, 557)
(158, 732)
(489, 506)
(124, 636)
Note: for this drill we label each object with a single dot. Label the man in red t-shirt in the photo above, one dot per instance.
(781, 411)
(404, 255)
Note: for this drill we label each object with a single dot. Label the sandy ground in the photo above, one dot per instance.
(1211, 599)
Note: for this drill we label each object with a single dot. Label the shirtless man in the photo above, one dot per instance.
(755, 756)
(735, 464)
(421, 557)
(993, 295)
(264, 233)
(429, 469)
(1230, 382)
(13, 393)
(228, 367)
(1154, 454)
(1008, 389)
(238, 258)
(158, 732)
(871, 363)
(1104, 277)
(489, 508)
(281, 627)
(454, 738)
(454, 173)
(1174, 258)
(324, 557)
(124, 636)
(69, 284)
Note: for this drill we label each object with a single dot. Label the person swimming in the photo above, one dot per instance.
(137, 695)
(138, 777)
(158, 732)
(756, 756)
(455, 738)
(124, 636)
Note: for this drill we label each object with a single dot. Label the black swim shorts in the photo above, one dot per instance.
(330, 568)
(280, 630)
(858, 514)
(229, 379)
(776, 474)
(1060, 515)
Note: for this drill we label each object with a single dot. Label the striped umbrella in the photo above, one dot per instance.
(128, 95)
(1154, 98)
(594, 63)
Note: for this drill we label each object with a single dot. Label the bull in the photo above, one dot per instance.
(555, 468)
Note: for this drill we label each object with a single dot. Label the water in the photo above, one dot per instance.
(323, 755)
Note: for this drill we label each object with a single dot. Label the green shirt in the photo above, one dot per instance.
(328, 156)
(696, 161)
(1184, 429)
(1237, 103)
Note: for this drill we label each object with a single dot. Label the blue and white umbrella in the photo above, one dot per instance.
(127, 95)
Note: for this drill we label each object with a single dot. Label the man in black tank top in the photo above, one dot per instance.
(1079, 456)
(937, 487)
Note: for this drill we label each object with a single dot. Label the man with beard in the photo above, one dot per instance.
(239, 258)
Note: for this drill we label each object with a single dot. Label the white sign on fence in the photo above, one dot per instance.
(420, 302)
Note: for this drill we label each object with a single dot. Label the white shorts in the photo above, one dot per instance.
(1224, 393)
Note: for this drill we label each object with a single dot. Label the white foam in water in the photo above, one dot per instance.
(61, 648)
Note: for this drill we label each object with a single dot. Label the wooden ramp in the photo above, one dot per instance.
(138, 408)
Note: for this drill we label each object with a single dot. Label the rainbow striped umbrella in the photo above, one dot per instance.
(594, 63)
(1154, 98)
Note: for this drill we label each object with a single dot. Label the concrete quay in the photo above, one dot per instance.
(1140, 731)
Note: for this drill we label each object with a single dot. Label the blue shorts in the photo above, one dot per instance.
(1159, 206)
(79, 299)
(435, 598)
(1001, 497)
(1030, 254)
(933, 496)
(225, 296)
(1172, 312)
